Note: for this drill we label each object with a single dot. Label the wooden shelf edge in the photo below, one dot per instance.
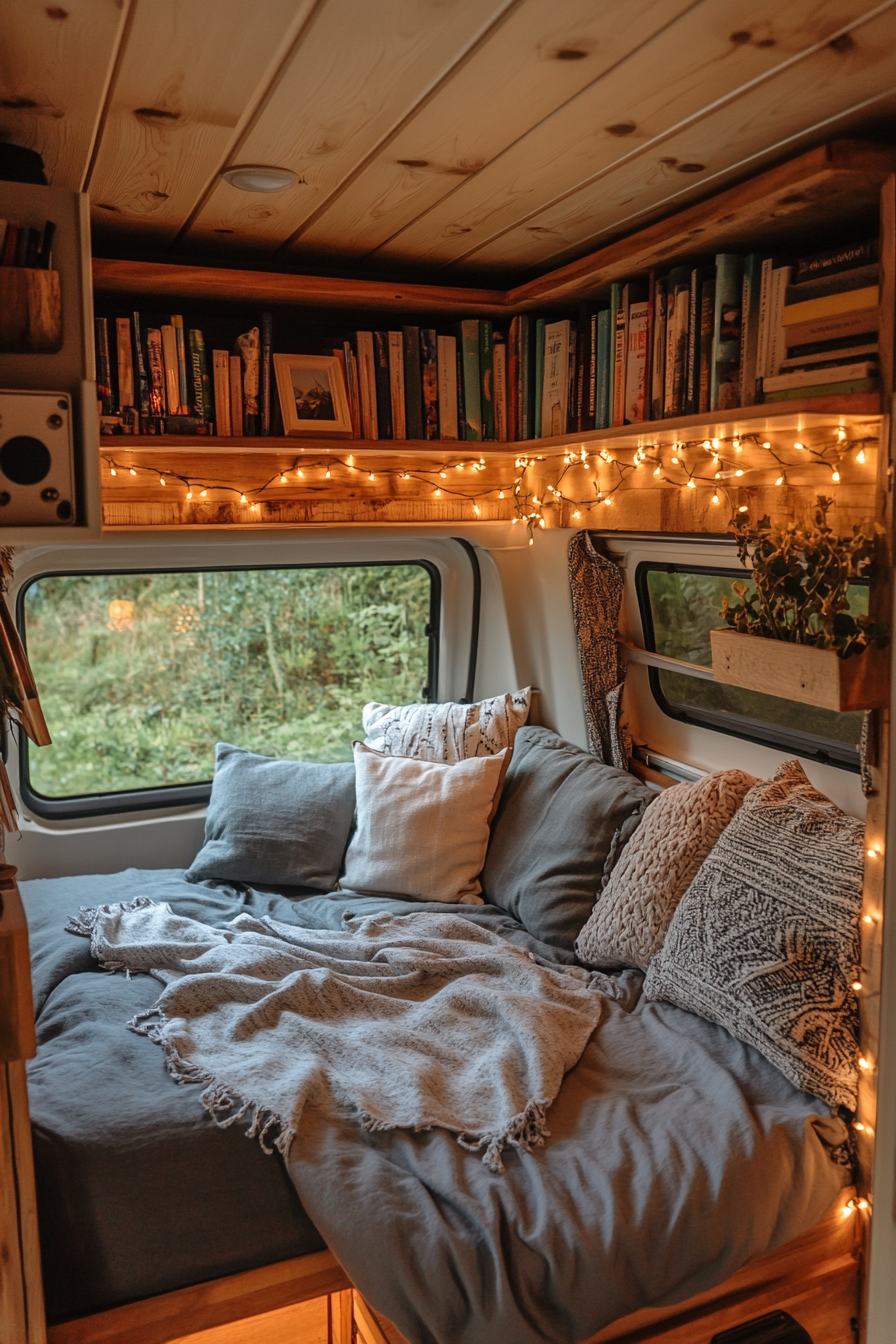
(802, 413)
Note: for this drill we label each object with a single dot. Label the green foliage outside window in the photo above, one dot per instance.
(141, 674)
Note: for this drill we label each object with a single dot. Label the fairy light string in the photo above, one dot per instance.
(585, 476)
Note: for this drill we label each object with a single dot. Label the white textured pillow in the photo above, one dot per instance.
(423, 826)
(447, 732)
(628, 924)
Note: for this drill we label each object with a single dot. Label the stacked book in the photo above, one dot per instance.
(27, 245)
(829, 326)
(162, 380)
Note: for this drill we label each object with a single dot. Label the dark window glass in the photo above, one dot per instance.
(679, 607)
(141, 674)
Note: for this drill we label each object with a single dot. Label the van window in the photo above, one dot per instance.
(679, 606)
(140, 674)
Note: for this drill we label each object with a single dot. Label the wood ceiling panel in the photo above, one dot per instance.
(771, 118)
(711, 51)
(187, 76)
(54, 62)
(541, 56)
(360, 70)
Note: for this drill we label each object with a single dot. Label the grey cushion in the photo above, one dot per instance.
(553, 833)
(275, 823)
(765, 940)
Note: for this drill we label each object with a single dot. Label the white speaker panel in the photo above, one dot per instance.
(37, 486)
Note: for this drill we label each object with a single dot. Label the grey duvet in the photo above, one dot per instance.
(675, 1155)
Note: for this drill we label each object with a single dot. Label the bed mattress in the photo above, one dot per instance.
(676, 1154)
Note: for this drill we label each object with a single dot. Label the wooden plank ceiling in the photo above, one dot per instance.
(489, 139)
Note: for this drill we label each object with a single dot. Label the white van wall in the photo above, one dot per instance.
(526, 638)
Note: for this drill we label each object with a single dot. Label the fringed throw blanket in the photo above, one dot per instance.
(408, 1022)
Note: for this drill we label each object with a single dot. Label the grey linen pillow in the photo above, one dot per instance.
(765, 940)
(275, 823)
(563, 814)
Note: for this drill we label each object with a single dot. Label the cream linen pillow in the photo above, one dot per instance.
(446, 732)
(629, 922)
(423, 826)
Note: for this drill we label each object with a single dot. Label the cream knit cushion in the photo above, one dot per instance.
(629, 922)
(446, 732)
(423, 826)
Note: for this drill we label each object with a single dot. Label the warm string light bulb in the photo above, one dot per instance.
(780, 480)
(112, 471)
(715, 499)
(476, 509)
(691, 484)
(327, 474)
(437, 493)
(841, 433)
(299, 472)
(203, 494)
(132, 471)
(282, 479)
(500, 494)
(243, 499)
(371, 477)
(835, 476)
(860, 455)
(189, 494)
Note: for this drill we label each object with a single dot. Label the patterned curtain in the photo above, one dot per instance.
(597, 585)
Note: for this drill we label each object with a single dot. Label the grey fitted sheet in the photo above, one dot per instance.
(676, 1154)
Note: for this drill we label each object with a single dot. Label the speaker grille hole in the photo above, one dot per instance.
(24, 460)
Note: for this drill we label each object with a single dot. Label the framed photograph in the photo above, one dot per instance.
(312, 393)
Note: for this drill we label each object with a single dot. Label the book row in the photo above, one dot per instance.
(745, 330)
(27, 244)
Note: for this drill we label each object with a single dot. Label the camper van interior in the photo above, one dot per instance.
(446, 599)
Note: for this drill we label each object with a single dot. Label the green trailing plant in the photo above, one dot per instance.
(801, 574)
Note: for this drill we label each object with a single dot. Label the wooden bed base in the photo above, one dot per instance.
(309, 1300)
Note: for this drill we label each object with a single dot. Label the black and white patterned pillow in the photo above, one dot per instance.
(765, 940)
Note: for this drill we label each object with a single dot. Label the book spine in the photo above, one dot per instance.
(591, 407)
(267, 340)
(727, 333)
(249, 347)
(459, 379)
(750, 287)
(486, 378)
(350, 365)
(10, 244)
(446, 353)
(202, 391)
(539, 378)
(620, 337)
(583, 365)
(500, 365)
(383, 389)
(513, 381)
(648, 363)
(572, 364)
(832, 305)
(429, 361)
(677, 320)
(221, 379)
(413, 383)
(22, 244)
(837, 259)
(777, 345)
(839, 326)
(636, 362)
(527, 379)
(815, 376)
(141, 379)
(692, 389)
(826, 390)
(830, 352)
(555, 392)
(842, 282)
(396, 384)
(602, 370)
(468, 344)
(367, 383)
(762, 338)
(658, 361)
(125, 363)
(103, 367)
(236, 395)
(183, 393)
(707, 326)
(155, 359)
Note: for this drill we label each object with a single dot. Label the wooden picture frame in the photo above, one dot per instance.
(313, 396)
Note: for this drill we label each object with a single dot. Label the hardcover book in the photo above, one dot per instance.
(822, 377)
(707, 326)
(125, 363)
(383, 384)
(836, 259)
(539, 377)
(751, 301)
(236, 395)
(141, 377)
(350, 364)
(446, 355)
(831, 305)
(513, 381)
(590, 398)
(266, 339)
(367, 383)
(249, 347)
(727, 333)
(201, 384)
(429, 361)
(572, 392)
(527, 378)
(844, 389)
(486, 376)
(413, 383)
(156, 361)
(396, 384)
(172, 376)
(838, 282)
(183, 393)
(555, 390)
(658, 353)
(602, 364)
(620, 349)
(636, 358)
(500, 386)
(692, 388)
(221, 380)
(103, 367)
(468, 348)
(836, 327)
(678, 295)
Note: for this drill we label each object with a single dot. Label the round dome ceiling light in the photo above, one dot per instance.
(259, 177)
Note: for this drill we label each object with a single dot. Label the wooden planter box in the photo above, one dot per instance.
(800, 672)
(30, 311)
